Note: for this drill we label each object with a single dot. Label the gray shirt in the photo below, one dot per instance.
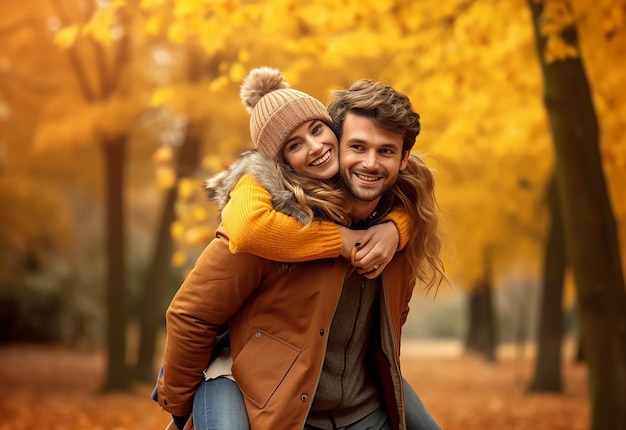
(346, 392)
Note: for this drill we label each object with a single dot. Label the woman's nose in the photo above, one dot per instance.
(315, 145)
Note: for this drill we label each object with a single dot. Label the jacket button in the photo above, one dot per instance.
(257, 334)
(321, 332)
(304, 398)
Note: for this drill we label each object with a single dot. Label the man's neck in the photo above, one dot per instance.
(360, 210)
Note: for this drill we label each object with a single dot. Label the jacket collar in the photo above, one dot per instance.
(383, 208)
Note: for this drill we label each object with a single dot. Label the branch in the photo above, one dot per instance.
(72, 54)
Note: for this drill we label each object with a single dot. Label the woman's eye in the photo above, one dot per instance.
(317, 129)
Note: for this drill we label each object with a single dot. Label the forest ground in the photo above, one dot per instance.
(53, 388)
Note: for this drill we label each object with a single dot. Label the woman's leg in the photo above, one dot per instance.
(417, 416)
(218, 405)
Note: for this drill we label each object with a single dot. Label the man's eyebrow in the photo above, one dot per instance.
(357, 140)
(391, 146)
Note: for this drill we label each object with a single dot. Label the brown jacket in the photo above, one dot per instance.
(279, 320)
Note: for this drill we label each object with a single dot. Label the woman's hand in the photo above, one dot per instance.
(350, 240)
(371, 249)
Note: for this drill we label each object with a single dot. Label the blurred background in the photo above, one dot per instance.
(113, 112)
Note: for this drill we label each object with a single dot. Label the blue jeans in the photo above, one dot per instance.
(377, 420)
(218, 405)
(417, 416)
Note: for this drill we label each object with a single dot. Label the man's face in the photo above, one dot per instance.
(370, 158)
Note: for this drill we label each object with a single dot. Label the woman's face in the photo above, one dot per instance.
(312, 149)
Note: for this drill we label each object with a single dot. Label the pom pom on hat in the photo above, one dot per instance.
(276, 110)
(260, 82)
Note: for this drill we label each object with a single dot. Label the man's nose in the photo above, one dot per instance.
(370, 160)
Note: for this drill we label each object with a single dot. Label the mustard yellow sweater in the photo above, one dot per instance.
(256, 228)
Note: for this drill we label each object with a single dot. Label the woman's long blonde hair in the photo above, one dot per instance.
(317, 198)
(415, 188)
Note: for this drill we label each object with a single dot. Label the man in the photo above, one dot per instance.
(317, 346)
(377, 129)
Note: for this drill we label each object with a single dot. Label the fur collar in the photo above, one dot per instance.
(266, 171)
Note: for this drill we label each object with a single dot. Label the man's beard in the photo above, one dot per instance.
(356, 192)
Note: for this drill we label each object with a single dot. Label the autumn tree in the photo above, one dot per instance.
(590, 230)
(95, 103)
(481, 337)
(36, 232)
(547, 373)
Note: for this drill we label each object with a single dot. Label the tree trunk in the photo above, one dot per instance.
(481, 335)
(579, 356)
(115, 160)
(547, 375)
(153, 299)
(592, 247)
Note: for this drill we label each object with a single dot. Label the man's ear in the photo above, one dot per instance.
(405, 160)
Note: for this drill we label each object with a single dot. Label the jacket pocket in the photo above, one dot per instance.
(262, 365)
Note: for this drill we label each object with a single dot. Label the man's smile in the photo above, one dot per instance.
(367, 178)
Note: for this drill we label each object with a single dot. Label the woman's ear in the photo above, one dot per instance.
(405, 160)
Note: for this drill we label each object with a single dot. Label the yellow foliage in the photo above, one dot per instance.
(66, 37)
(238, 72)
(556, 16)
(153, 25)
(218, 84)
(210, 34)
(243, 56)
(163, 156)
(186, 188)
(472, 75)
(200, 214)
(200, 235)
(215, 163)
(164, 177)
(162, 96)
(179, 258)
(558, 50)
(149, 4)
(177, 32)
(100, 27)
(187, 8)
(177, 230)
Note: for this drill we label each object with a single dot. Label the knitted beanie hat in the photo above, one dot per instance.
(276, 110)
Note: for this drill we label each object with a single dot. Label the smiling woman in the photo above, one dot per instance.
(312, 149)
